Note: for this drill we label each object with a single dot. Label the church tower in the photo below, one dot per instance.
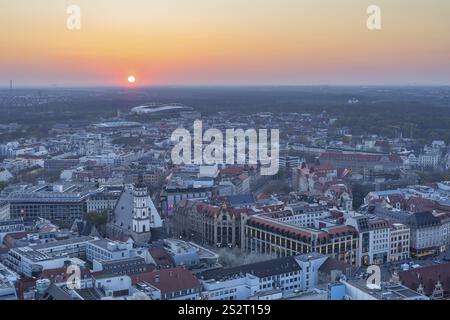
(141, 215)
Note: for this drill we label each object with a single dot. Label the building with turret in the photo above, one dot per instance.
(134, 216)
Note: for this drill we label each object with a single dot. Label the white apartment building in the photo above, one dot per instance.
(400, 242)
(374, 239)
(31, 263)
(282, 276)
(105, 198)
(104, 249)
(32, 260)
(429, 159)
(73, 247)
(303, 215)
(113, 285)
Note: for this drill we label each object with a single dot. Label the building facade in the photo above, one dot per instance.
(400, 242)
(271, 237)
(205, 223)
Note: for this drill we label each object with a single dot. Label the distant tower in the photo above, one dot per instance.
(141, 203)
(118, 114)
(10, 85)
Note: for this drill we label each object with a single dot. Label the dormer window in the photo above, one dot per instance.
(420, 289)
(438, 292)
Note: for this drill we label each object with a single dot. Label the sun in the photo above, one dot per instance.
(131, 79)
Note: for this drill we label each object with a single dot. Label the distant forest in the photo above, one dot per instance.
(423, 112)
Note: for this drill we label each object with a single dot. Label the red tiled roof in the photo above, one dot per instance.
(378, 224)
(428, 277)
(18, 235)
(417, 204)
(359, 157)
(231, 172)
(272, 208)
(172, 280)
(23, 284)
(326, 166)
(281, 227)
(161, 257)
(263, 196)
(344, 229)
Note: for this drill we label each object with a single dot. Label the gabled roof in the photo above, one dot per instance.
(260, 269)
(428, 277)
(172, 280)
(357, 157)
(161, 257)
(246, 199)
(332, 264)
(423, 219)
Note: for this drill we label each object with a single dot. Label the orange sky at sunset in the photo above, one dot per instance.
(181, 42)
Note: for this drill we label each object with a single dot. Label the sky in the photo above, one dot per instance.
(224, 42)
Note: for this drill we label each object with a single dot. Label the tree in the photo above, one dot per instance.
(98, 218)
(235, 257)
(2, 185)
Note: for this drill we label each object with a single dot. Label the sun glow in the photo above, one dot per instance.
(131, 79)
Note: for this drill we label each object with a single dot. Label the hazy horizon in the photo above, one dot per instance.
(193, 86)
(224, 43)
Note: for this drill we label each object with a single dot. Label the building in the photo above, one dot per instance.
(60, 164)
(244, 282)
(283, 276)
(266, 235)
(186, 184)
(5, 175)
(400, 242)
(128, 266)
(4, 210)
(104, 249)
(190, 255)
(359, 162)
(7, 281)
(374, 239)
(10, 226)
(32, 260)
(235, 179)
(112, 286)
(101, 287)
(207, 223)
(151, 177)
(173, 284)
(303, 178)
(7, 289)
(156, 109)
(357, 289)
(105, 198)
(72, 247)
(134, 216)
(432, 281)
(426, 236)
(59, 205)
(302, 214)
(424, 209)
(429, 159)
(288, 162)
